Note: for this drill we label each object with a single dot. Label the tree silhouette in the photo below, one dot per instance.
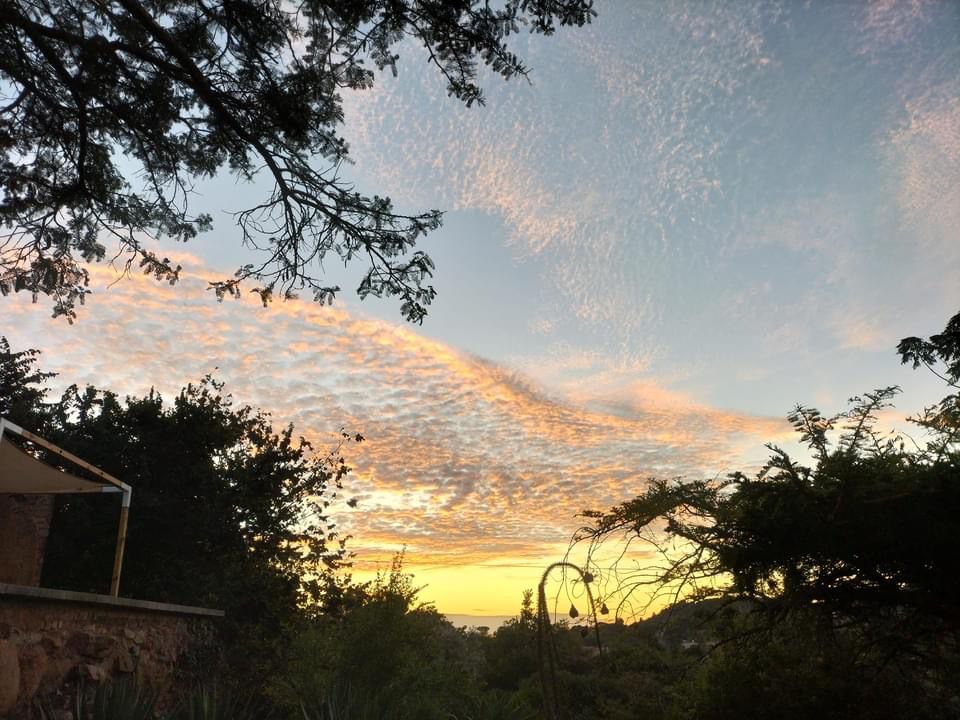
(864, 536)
(170, 91)
(227, 511)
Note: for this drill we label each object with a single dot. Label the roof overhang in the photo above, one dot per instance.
(21, 473)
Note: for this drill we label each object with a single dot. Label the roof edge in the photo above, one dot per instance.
(26, 592)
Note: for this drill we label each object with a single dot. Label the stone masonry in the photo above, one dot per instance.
(51, 641)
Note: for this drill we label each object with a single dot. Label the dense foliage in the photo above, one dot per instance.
(866, 530)
(380, 655)
(227, 512)
(180, 89)
(848, 562)
(817, 588)
(22, 389)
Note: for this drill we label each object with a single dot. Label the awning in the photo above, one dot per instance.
(21, 473)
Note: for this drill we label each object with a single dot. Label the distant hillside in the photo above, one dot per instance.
(478, 621)
(693, 627)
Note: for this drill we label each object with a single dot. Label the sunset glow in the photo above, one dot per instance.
(697, 215)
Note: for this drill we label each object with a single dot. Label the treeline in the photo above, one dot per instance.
(826, 586)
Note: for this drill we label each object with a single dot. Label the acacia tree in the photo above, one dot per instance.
(180, 89)
(865, 535)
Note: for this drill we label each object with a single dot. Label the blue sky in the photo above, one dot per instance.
(729, 193)
(695, 216)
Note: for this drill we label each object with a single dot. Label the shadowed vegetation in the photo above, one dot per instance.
(823, 585)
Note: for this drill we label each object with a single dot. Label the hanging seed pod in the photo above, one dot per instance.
(574, 613)
(604, 610)
(588, 577)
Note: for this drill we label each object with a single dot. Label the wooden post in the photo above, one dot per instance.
(121, 542)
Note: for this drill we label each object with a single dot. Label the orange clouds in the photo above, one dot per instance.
(465, 461)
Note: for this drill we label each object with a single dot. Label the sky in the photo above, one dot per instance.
(694, 216)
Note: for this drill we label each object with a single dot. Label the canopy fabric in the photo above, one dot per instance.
(22, 474)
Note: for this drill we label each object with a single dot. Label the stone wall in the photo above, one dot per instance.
(51, 642)
(24, 526)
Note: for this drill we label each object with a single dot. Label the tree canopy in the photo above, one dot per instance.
(170, 91)
(864, 534)
(819, 587)
(227, 511)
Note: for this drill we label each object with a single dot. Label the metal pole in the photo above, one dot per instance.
(548, 670)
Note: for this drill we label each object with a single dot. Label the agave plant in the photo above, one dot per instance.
(342, 702)
(121, 700)
(213, 702)
(497, 705)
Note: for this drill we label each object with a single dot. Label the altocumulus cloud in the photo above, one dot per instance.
(465, 460)
(609, 169)
(674, 153)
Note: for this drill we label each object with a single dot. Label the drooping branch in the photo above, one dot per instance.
(186, 89)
